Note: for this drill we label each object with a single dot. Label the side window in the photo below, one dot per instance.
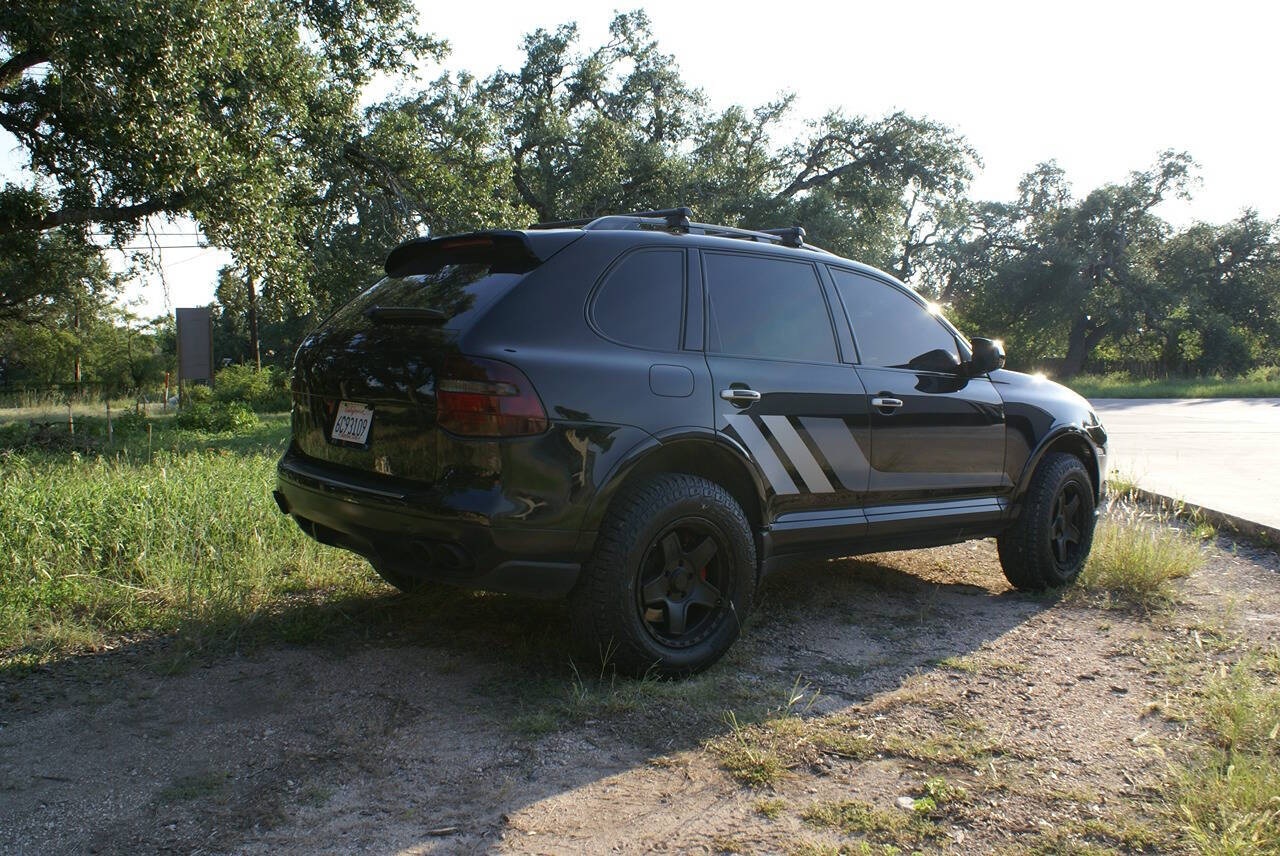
(642, 301)
(892, 329)
(772, 308)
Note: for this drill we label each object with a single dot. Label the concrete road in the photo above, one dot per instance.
(1220, 453)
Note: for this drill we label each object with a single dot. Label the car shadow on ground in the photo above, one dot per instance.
(428, 721)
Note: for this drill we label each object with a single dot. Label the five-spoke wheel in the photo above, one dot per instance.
(681, 594)
(672, 578)
(1048, 544)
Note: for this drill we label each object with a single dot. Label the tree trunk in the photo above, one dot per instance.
(253, 321)
(1081, 341)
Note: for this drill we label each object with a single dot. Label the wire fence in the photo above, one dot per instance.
(29, 401)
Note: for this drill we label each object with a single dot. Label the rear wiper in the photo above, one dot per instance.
(405, 314)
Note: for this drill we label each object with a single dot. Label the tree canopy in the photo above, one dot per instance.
(247, 117)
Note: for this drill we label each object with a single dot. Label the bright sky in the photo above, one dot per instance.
(1101, 87)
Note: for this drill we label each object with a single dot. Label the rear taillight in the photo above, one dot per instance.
(487, 398)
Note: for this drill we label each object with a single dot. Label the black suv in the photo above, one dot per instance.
(647, 415)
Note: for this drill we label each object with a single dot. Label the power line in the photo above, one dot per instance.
(169, 247)
(156, 234)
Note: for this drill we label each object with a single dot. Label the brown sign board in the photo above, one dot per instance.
(195, 343)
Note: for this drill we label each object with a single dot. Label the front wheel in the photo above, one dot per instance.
(1049, 544)
(671, 581)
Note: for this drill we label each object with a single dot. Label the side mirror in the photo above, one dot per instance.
(937, 360)
(988, 355)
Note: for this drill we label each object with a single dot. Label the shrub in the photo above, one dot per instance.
(199, 394)
(129, 422)
(234, 416)
(262, 389)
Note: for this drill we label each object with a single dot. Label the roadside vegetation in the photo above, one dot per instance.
(1228, 788)
(1136, 559)
(160, 532)
(1260, 382)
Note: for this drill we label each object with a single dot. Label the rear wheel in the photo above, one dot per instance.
(671, 581)
(1049, 544)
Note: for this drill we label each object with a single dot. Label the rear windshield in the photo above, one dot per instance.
(459, 291)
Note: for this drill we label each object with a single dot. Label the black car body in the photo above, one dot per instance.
(520, 381)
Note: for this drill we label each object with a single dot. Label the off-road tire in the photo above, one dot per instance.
(1026, 548)
(608, 617)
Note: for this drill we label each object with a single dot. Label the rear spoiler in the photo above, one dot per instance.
(505, 250)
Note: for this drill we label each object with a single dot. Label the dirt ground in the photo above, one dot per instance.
(456, 724)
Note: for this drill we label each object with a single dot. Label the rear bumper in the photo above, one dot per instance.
(424, 532)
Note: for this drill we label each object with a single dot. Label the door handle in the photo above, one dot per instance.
(740, 396)
(886, 403)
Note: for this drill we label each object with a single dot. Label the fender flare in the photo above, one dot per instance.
(1075, 432)
(662, 443)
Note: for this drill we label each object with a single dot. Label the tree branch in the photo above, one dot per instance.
(526, 192)
(91, 214)
(12, 68)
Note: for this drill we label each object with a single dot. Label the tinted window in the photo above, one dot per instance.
(458, 291)
(642, 300)
(767, 308)
(891, 328)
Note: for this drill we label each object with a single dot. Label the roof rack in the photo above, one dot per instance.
(791, 236)
(676, 218)
(679, 220)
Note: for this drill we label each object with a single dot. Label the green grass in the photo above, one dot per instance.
(183, 538)
(1135, 560)
(771, 808)
(862, 819)
(1260, 382)
(1226, 796)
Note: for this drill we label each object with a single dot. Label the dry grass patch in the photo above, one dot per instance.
(760, 755)
(861, 819)
(1228, 795)
(771, 808)
(1135, 559)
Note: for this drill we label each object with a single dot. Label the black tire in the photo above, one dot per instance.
(672, 579)
(1049, 544)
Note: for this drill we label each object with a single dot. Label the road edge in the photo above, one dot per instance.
(1260, 533)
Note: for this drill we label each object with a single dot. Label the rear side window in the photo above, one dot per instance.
(642, 300)
(891, 328)
(772, 308)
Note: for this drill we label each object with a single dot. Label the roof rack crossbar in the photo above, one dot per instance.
(677, 218)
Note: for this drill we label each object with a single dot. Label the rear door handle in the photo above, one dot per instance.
(887, 403)
(740, 396)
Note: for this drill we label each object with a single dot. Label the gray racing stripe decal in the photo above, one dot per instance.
(840, 449)
(798, 452)
(765, 458)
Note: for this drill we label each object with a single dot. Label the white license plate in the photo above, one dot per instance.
(352, 423)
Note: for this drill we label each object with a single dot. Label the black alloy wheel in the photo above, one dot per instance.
(671, 580)
(683, 591)
(1048, 544)
(1067, 524)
